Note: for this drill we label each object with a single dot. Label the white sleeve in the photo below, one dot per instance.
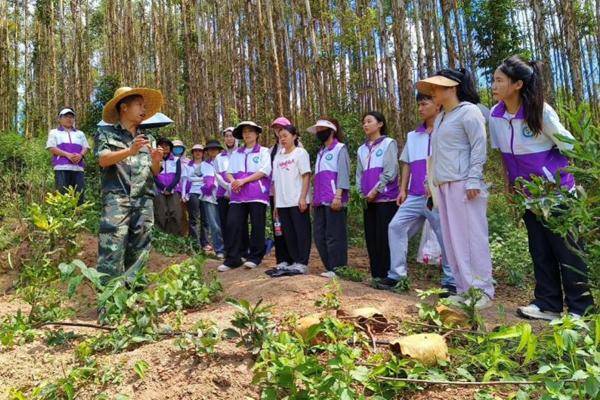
(51, 142)
(553, 128)
(84, 142)
(304, 162)
(265, 162)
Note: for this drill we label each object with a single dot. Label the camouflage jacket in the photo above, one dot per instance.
(131, 177)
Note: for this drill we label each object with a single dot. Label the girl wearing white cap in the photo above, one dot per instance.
(68, 147)
(458, 153)
(248, 173)
(330, 196)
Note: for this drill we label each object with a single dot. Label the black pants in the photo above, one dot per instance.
(331, 236)
(281, 250)
(377, 217)
(197, 220)
(223, 206)
(237, 228)
(296, 231)
(65, 179)
(558, 271)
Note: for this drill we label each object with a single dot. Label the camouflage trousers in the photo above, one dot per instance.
(125, 234)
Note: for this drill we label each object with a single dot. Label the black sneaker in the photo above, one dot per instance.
(286, 272)
(450, 290)
(386, 284)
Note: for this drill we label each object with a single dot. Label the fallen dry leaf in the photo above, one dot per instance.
(428, 348)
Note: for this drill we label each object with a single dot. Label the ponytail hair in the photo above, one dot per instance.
(532, 92)
(380, 118)
(466, 89)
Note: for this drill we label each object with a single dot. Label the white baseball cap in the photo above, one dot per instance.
(322, 123)
(66, 111)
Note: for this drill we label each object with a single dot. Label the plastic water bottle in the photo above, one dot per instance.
(277, 228)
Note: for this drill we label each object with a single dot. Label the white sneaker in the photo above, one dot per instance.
(282, 265)
(533, 312)
(456, 298)
(250, 265)
(328, 274)
(299, 267)
(483, 302)
(223, 268)
(575, 316)
(220, 256)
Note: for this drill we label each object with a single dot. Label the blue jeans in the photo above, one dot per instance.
(407, 221)
(211, 213)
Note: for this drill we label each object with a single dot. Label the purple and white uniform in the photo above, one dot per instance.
(326, 174)
(71, 141)
(221, 165)
(208, 187)
(415, 153)
(243, 163)
(526, 154)
(378, 167)
(168, 173)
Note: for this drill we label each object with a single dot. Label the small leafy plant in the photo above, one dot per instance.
(251, 324)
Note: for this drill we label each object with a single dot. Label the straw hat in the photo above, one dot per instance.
(237, 132)
(197, 147)
(152, 98)
(426, 85)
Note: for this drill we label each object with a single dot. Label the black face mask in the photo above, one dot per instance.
(323, 135)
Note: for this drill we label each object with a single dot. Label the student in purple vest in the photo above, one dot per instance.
(224, 189)
(291, 181)
(248, 173)
(525, 129)
(330, 195)
(282, 255)
(413, 201)
(458, 154)
(209, 196)
(377, 182)
(68, 146)
(167, 203)
(192, 196)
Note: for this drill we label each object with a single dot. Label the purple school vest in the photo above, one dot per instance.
(253, 191)
(325, 182)
(372, 159)
(69, 147)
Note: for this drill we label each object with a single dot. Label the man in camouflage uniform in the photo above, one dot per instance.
(129, 160)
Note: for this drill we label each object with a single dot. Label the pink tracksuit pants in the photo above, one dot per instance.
(465, 233)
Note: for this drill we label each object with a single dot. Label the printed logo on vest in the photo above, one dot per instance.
(526, 131)
(379, 152)
(329, 157)
(256, 159)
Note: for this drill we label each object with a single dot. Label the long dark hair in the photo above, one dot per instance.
(532, 92)
(466, 89)
(338, 134)
(380, 118)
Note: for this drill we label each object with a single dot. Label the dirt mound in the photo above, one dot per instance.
(174, 374)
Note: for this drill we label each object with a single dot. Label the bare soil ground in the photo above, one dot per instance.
(174, 374)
